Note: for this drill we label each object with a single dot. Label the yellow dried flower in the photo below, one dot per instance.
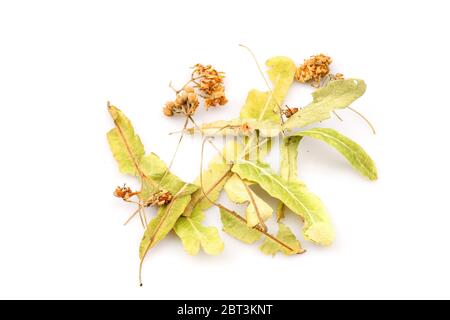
(124, 193)
(314, 69)
(186, 102)
(209, 81)
(160, 198)
(289, 112)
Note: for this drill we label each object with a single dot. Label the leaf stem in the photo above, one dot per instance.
(258, 228)
(174, 154)
(252, 200)
(364, 118)
(132, 216)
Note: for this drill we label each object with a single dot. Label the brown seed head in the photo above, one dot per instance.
(289, 112)
(160, 198)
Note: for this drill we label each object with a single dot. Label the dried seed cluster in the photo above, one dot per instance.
(289, 112)
(314, 69)
(337, 76)
(210, 82)
(160, 198)
(186, 103)
(124, 192)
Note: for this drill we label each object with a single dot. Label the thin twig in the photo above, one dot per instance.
(142, 220)
(174, 154)
(364, 118)
(210, 142)
(143, 215)
(337, 116)
(132, 216)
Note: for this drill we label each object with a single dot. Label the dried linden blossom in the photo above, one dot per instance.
(160, 198)
(186, 103)
(314, 69)
(124, 192)
(209, 83)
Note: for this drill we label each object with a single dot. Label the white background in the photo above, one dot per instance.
(61, 233)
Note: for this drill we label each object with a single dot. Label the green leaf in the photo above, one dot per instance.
(240, 194)
(193, 234)
(271, 247)
(237, 227)
(165, 219)
(352, 151)
(124, 143)
(336, 95)
(261, 105)
(288, 165)
(295, 196)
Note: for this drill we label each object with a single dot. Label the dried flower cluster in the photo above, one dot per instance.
(337, 76)
(210, 83)
(314, 69)
(185, 103)
(289, 112)
(160, 198)
(124, 192)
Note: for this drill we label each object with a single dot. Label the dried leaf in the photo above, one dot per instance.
(165, 220)
(336, 95)
(238, 193)
(125, 144)
(284, 234)
(237, 227)
(193, 234)
(352, 151)
(289, 155)
(261, 105)
(155, 169)
(295, 196)
(288, 165)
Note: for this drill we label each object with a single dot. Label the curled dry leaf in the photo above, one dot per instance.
(194, 235)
